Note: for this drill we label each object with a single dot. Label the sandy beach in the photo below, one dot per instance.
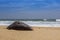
(36, 34)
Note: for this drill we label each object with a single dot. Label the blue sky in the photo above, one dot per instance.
(29, 9)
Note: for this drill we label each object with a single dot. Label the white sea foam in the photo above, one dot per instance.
(34, 23)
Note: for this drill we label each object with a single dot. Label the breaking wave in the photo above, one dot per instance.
(34, 23)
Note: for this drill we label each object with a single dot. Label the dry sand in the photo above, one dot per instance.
(36, 34)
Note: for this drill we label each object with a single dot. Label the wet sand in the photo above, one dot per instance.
(37, 34)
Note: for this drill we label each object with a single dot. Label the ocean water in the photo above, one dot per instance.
(35, 23)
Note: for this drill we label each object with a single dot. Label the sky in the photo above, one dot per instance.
(29, 9)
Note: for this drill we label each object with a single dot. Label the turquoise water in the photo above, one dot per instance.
(27, 20)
